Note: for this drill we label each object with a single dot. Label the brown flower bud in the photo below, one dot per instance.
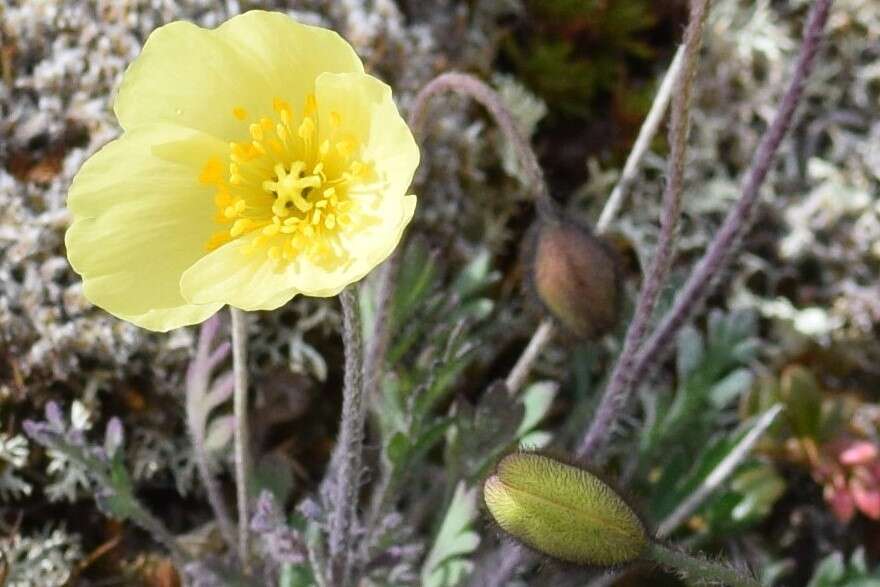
(575, 275)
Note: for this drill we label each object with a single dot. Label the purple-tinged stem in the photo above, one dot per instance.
(242, 436)
(349, 452)
(468, 85)
(472, 87)
(700, 282)
(622, 375)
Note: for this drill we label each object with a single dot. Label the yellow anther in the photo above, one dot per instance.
(217, 240)
(212, 172)
(311, 105)
(345, 147)
(296, 200)
(306, 128)
(222, 199)
(239, 227)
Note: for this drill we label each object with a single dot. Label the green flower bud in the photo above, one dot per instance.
(575, 275)
(564, 512)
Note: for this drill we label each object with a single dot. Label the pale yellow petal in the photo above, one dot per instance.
(367, 111)
(141, 218)
(192, 77)
(198, 77)
(163, 320)
(362, 108)
(289, 55)
(229, 275)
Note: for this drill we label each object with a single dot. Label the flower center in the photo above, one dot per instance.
(291, 194)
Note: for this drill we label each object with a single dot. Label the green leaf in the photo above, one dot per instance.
(447, 563)
(476, 275)
(833, 571)
(536, 399)
(690, 351)
(485, 431)
(731, 387)
(800, 392)
(115, 505)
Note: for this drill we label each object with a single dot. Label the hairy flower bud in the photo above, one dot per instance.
(575, 274)
(563, 511)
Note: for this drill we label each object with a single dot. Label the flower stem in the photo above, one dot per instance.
(497, 567)
(482, 93)
(699, 284)
(621, 377)
(350, 445)
(242, 437)
(698, 569)
(547, 329)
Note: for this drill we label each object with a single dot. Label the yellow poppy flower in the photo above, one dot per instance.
(258, 161)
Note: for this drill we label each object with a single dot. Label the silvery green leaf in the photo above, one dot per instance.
(447, 562)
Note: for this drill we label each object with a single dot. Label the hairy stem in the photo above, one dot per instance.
(699, 284)
(547, 329)
(377, 346)
(242, 437)
(698, 569)
(350, 445)
(622, 376)
(471, 86)
(496, 568)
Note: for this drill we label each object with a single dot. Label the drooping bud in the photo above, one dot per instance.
(575, 275)
(564, 512)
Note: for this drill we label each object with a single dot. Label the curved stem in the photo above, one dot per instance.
(242, 436)
(469, 85)
(496, 568)
(621, 377)
(699, 284)
(698, 569)
(350, 445)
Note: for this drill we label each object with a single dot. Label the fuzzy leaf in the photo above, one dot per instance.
(536, 400)
(447, 563)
